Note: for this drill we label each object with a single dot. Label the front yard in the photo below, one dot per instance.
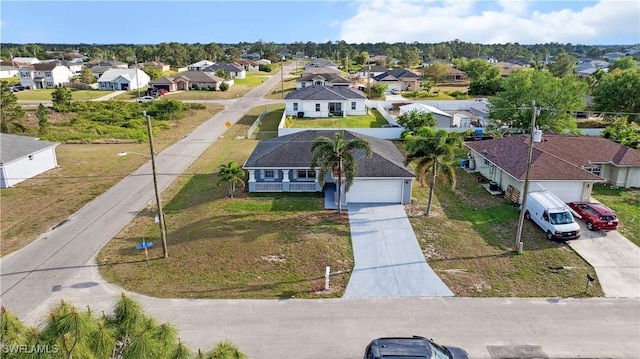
(45, 95)
(373, 120)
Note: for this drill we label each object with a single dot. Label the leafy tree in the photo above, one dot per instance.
(624, 63)
(624, 132)
(86, 76)
(413, 120)
(558, 99)
(478, 68)
(433, 153)
(10, 112)
(410, 57)
(43, 119)
(153, 72)
(563, 64)
(378, 89)
(618, 91)
(337, 156)
(232, 175)
(264, 67)
(485, 86)
(61, 98)
(437, 72)
(220, 73)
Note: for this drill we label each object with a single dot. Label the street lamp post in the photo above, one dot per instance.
(163, 234)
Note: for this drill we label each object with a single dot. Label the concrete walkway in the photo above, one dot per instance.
(111, 95)
(388, 259)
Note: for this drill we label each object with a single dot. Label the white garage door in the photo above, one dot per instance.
(375, 191)
(566, 191)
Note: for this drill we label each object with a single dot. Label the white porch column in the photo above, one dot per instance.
(252, 175)
(285, 175)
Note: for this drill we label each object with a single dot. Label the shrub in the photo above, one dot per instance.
(265, 68)
(224, 86)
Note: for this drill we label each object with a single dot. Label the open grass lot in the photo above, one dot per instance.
(373, 120)
(45, 95)
(268, 127)
(276, 91)
(258, 246)
(626, 204)
(469, 238)
(85, 171)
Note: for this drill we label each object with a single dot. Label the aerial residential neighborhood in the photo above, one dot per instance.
(407, 194)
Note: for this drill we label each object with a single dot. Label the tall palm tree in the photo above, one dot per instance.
(337, 155)
(432, 151)
(232, 174)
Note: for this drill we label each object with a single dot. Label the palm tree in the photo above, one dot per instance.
(337, 155)
(232, 174)
(433, 153)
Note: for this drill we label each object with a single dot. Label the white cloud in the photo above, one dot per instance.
(586, 22)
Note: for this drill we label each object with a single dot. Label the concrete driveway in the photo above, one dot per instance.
(615, 259)
(388, 258)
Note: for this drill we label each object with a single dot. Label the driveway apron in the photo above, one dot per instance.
(388, 258)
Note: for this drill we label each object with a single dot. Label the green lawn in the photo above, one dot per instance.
(374, 120)
(45, 94)
(626, 204)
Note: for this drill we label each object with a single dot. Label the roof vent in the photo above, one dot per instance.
(537, 135)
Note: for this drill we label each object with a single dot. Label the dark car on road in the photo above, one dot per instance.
(411, 347)
(595, 215)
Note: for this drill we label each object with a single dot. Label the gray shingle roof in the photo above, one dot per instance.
(328, 77)
(226, 67)
(396, 74)
(14, 147)
(324, 93)
(294, 151)
(199, 77)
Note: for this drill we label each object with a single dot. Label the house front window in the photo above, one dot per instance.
(269, 174)
(47, 74)
(353, 105)
(295, 105)
(317, 107)
(306, 175)
(49, 84)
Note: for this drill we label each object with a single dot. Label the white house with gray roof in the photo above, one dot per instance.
(325, 101)
(123, 79)
(24, 157)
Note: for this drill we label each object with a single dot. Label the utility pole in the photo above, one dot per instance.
(282, 75)
(369, 82)
(163, 232)
(519, 244)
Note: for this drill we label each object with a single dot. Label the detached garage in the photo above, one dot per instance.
(282, 165)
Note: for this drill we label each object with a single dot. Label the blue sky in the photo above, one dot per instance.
(603, 22)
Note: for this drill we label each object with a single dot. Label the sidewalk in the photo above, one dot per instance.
(109, 96)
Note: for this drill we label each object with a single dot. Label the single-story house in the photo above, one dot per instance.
(248, 65)
(282, 164)
(98, 71)
(24, 61)
(8, 72)
(457, 75)
(194, 80)
(321, 70)
(325, 101)
(506, 68)
(123, 79)
(164, 83)
(108, 63)
(320, 63)
(200, 65)
(444, 119)
(325, 79)
(252, 56)
(24, 157)
(568, 166)
(399, 79)
(234, 72)
(263, 62)
(371, 71)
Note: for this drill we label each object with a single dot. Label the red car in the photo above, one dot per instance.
(595, 215)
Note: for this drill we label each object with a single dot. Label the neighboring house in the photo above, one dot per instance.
(568, 166)
(444, 119)
(98, 71)
(159, 65)
(252, 56)
(233, 71)
(489, 59)
(399, 79)
(197, 80)
(479, 113)
(281, 164)
(200, 65)
(326, 79)
(248, 65)
(8, 72)
(108, 63)
(371, 71)
(75, 67)
(506, 68)
(586, 68)
(324, 101)
(457, 75)
(320, 63)
(44, 75)
(613, 56)
(178, 69)
(165, 83)
(24, 61)
(123, 79)
(263, 62)
(24, 157)
(321, 70)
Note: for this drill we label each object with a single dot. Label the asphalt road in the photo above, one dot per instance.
(60, 265)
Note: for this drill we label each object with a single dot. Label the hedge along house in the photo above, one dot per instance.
(568, 166)
(24, 157)
(325, 101)
(282, 164)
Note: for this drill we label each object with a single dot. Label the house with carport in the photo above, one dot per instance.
(282, 164)
(568, 166)
(23, 157)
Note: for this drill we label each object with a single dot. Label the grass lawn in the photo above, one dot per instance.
(468, 239)
(626, 204)
(45, 95)
(258, 246)
(374, 120)
(84, 172)
(276, 91)
(268, 127)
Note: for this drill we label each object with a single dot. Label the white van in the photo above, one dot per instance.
(552, 215)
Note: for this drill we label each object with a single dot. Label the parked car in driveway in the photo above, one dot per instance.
(595, 215)
(144, 99)
(18, 88)
(411, 347)
(395, 92)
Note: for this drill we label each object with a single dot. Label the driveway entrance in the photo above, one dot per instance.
(388, 259)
